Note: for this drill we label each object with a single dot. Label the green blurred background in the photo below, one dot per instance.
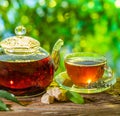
(84, 25)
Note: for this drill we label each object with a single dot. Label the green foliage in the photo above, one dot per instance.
(75, 97)
(3, 106)
(84, 25)
(8, 96)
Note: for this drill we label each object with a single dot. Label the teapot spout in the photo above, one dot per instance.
(56, 53)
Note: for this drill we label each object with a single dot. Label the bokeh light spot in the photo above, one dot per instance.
(117, 3)
(24, 19)
(4, 3)
(42, 2)
(60, 17)
(64, 4)
(52, 3)
(94, 16)
(91, 4)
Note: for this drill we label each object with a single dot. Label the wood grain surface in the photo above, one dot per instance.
(101, 104)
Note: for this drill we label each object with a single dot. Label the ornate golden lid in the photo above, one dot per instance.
(20, 43)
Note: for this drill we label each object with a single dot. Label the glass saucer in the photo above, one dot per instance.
(101, 85)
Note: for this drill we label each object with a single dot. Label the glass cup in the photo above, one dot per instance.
(85, 68)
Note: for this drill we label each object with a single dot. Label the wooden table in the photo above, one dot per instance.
(102, 104)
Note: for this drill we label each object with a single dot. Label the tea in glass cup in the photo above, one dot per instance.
(84, 68)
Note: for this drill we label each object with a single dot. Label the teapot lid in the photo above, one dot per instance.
(20, 43)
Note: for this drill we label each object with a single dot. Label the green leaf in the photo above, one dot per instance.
(75, 97)
(3, 106)
(8, 96)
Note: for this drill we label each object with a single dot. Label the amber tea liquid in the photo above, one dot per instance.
(85, 72)
(26, 78)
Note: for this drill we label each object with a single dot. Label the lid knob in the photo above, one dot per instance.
(20, 30)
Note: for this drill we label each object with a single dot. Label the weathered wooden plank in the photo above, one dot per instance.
(102, 104)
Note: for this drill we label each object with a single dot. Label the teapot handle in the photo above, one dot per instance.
(56, 53)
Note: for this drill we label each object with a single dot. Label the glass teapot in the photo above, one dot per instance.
(26, 69)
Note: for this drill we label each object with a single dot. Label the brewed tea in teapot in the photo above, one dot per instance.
(25, 68)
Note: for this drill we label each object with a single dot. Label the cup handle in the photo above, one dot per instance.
(108, 71)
